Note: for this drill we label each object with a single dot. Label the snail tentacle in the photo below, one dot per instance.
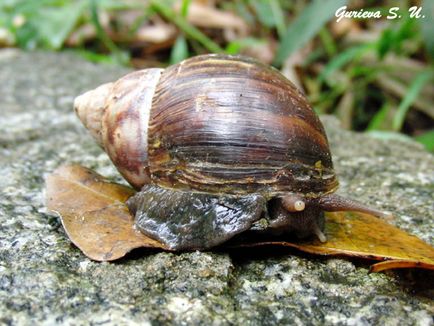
(320, 234)
(336, 203)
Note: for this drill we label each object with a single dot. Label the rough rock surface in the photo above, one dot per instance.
(45, 280)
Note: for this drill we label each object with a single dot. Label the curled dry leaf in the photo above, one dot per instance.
(94, 214)
(355, 234)
(97, 221)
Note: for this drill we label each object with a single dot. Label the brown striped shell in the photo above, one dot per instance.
(212, 123)
(117, 115)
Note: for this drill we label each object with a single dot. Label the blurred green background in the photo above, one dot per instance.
(375, 74)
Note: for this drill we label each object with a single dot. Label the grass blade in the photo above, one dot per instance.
(305, 26)
(55, 24)
(119, 56)
(270, 14)
(328, 42)
(412, 93)
(342, 59)
(379, 118)
(184, 7)
(278, 17)
(427, 26)
(236, 46)
(427, 139)
(179, 50)
(263, 12)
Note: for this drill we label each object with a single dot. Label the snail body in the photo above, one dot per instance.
(215, 144)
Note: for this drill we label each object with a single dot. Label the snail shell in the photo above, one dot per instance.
(210, 128)
(117, 115)
(213, 123)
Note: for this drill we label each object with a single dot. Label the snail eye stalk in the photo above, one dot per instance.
(293, 203)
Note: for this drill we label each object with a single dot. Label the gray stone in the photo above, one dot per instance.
(44, 279)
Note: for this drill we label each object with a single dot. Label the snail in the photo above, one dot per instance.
(215, 145)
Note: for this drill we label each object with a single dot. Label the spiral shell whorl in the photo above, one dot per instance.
(89, 108)
(117, 115)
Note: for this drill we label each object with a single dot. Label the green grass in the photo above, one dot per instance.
(413, 91)
(305, 26)
(380, 85)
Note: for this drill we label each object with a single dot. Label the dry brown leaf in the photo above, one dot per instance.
(203, 15)
(87, 31)
(81, 35)
(295, 60)
(361, 235)
(264, 52)
(96, 219)
(159, 33)
(344, 26)
(94, 214)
